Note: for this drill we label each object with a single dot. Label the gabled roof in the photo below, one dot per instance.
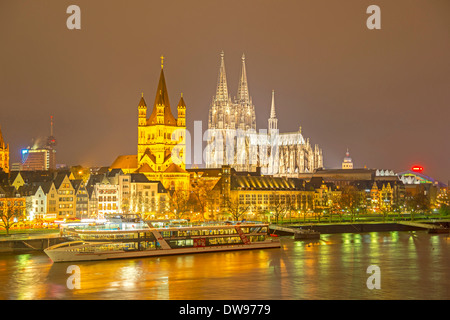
(60, 178)
(148, 153)
(97, 178)
(144, 168)
(175, 169)
(32, 176)
(114, 172)
(77, 184)
(138, 177)
(8, 191)
(28, 190)
(46, 186)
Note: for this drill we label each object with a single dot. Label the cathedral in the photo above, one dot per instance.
(228, 122)
(4, 154)
(161, 141)
(233, 140)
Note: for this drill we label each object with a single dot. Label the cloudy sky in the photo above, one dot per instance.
(384, 94)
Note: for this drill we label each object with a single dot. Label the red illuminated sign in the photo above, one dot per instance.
(417, 168)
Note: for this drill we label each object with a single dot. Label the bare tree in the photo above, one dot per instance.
(351, 200)
(279, 207)
(11, 212)
(235, 208)
(201, 195)
(180, 203)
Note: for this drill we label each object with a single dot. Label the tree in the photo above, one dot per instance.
(279, 207)
(385, 208)
(351, 199)
(201, 195)
(235, 208)
(180, 203)
(419, 202)
(11, 212)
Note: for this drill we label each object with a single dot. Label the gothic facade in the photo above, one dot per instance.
(233, 140)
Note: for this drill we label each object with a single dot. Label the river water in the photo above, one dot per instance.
(412, 265)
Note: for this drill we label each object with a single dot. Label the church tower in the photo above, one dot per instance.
(4, 154)
(161, 145)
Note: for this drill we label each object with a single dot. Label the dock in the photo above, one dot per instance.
(432, 228)
(299, 234)
(23, 242)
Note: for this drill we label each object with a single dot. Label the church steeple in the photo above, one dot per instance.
(222, 87)
(243, 96)
(273, 121)
(162, 113)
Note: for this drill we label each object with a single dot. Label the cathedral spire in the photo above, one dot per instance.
(222, 87)
(272, 107)
(273, 121)
(243, 96)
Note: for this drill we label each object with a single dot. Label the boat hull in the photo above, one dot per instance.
(69, 256)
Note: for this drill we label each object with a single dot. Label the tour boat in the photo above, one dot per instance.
(132, 238)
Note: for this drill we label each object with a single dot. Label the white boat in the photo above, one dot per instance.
(135, 239)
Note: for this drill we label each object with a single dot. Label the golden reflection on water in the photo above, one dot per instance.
(414, 265)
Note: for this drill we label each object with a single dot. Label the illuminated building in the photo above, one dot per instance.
(40, 158)
(416, 182)
(66, 201)
(35, 159)
(10, 199)
(36, 201)
(115, 192)
(226, 116)
(161, 146)
(140, 195)
(233, 140)
(261, 195)
(4, 154)
(82, 199)
(347, 163)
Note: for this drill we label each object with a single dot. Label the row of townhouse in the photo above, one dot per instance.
(50, 196)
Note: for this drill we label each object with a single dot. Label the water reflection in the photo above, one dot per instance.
(414, 265)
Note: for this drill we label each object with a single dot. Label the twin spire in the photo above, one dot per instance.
(243, 96)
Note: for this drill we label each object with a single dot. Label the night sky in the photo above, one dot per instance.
(384, 94)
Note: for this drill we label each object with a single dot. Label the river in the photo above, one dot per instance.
(412, 265)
